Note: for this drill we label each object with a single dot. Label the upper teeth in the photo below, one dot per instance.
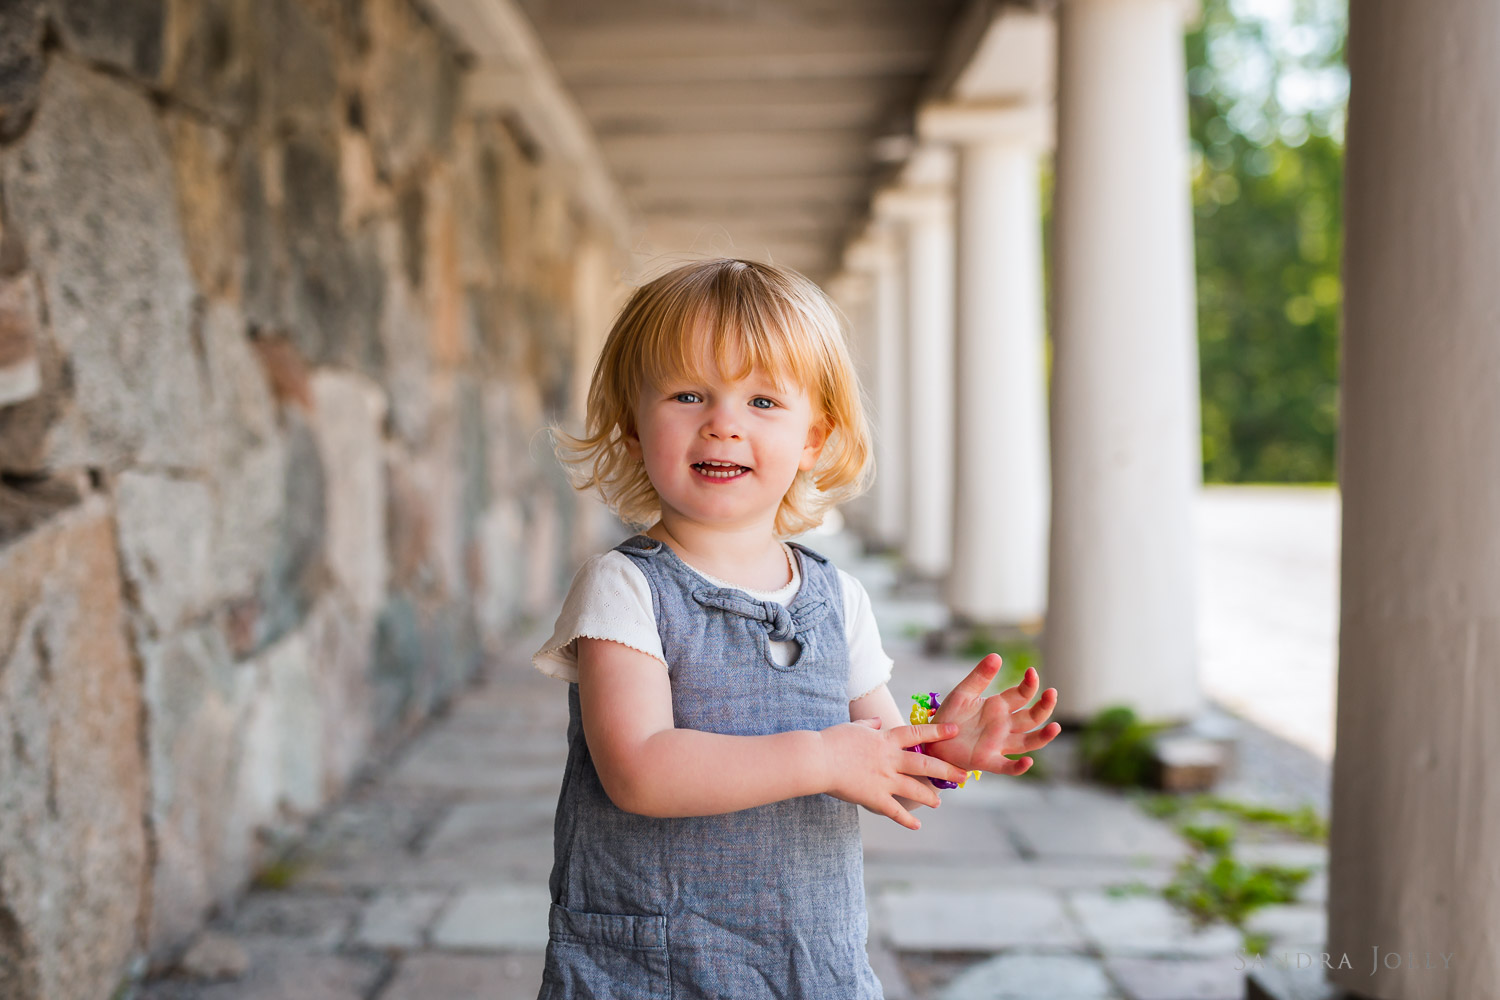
(727, 464)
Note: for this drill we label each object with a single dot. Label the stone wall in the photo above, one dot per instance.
(278, 327)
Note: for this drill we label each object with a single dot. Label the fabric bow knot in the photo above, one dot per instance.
(779, 621)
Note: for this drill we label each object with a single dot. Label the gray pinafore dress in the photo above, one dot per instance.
(766, 902)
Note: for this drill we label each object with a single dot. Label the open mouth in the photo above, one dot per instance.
(719, 470)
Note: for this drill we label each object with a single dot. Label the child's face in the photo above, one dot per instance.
(770, 433)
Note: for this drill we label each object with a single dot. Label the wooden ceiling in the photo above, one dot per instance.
(746, 127)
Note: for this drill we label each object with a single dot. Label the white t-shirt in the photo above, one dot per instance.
(610, 599)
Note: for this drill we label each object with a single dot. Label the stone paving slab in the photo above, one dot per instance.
(961, 837)
(398, 918)
(923, 919)
(1291, 924)
(1085, 874)
(1145, 926)
(1031, 977)
(1079, 823)
(467, 977)
(1167, 979)
(318, 921)
(495, 918)
(282, 970)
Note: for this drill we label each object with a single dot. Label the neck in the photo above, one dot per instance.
(736, 554)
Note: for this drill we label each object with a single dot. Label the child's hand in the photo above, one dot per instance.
(871, 768)
(990, 728)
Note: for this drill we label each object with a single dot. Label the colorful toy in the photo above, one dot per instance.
(921, 713)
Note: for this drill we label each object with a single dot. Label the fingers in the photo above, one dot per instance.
(931, 767)
(1036, 714)
(930, 732)
(1036, 740)
(1016, 697)
(978, 679)
(918, 790)
(897, 812)
(873, 722)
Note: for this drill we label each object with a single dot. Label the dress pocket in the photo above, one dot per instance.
(604, 956)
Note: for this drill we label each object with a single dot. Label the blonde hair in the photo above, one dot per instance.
(758, 317)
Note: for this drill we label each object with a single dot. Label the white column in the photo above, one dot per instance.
(927, 217)
(1001, 487)
(1126, 463)
(878, 254)
(1415, 851)
(852, 290)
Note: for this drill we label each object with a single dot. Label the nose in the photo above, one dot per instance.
(721, 422)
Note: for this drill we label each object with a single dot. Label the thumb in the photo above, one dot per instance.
(873, 722)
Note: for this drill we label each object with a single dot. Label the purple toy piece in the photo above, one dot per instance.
(934, 705)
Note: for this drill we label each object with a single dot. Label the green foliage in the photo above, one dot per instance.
(1216, 839)
(279, 874)
(1302, 822)
(1115, 747)
(1267, 195)
(1218, 886)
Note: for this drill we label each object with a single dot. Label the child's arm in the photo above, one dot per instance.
(990, 728)
(650, 767)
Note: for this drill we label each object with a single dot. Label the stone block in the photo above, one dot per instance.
(21, 31)
(340, 642)
(209, 203)
(331, 303)
(414, 87)
(73, 857)
(91, 195)
(1179, 979)
(463, 977)
(212, 51)
(399, 918)
(495, 918)
(126, 34)
(922, 919)
(290, 698)
(1146, 925)
(298, 567)
(27, 424)
(1026, 977)
(296, 67)
(166, 546)
(247, 458)
(202, 854)
(20, 328)
(349, 416)
(404, 342)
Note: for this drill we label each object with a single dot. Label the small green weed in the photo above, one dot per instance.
(277, 875)
(1115, 747)
(1219, 886)
(1302, 822)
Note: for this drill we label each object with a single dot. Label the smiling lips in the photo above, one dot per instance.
(719, 470)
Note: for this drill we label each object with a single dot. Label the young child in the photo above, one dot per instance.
(728, 706)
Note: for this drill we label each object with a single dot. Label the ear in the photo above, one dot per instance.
(817, 437)
(632, 441)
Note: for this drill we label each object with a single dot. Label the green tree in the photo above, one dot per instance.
(1266, 110)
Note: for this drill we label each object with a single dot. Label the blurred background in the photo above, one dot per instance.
(291, 291)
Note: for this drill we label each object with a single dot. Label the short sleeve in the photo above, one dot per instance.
(869, 666)
(608, 599)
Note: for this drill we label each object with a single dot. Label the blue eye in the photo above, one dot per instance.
(679, 396)
(761, 399)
